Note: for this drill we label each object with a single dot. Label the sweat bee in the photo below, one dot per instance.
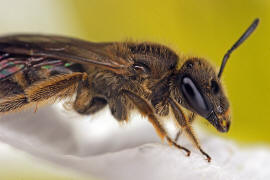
(36, 69)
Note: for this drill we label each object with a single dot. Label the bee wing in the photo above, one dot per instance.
(102, 55)
(9, 67)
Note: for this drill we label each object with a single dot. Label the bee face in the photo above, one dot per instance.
(202, 92)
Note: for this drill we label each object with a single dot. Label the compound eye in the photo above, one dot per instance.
(194, 97)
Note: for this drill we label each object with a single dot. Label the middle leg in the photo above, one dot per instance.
(86, 102)
(191, 118)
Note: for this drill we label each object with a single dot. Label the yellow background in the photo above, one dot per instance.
(203, 28)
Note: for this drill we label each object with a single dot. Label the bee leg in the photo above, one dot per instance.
(118, 107)
(183, 121)
(97, 104)
(177, 135)
(87, 106)
(83, 98)
(85, 103)
(191, 134)
(13, 102)
(144, 108)
(54, 88)
(190, 119)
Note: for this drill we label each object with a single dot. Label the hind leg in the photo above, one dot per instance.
(55, 88)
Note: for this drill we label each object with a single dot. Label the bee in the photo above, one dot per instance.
(37, 69)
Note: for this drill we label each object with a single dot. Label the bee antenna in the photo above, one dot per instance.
(247, 33)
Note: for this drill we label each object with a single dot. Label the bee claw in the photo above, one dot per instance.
(206, 155)
(178, 146)
(188, 153)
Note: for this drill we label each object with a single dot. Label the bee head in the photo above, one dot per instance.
(201, 91)
(198, 87)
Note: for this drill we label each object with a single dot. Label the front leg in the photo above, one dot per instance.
(183, 121)
(191, 118)
(144, 108)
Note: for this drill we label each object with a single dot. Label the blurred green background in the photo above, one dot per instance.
(193, 27)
